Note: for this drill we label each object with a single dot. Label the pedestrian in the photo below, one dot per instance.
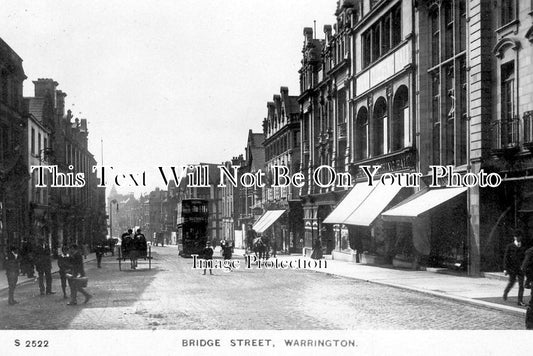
(77, 276)
(85, 248)
(126, 244)
(527, 269)
(43, 265)
(99, 251)
(251, 236)
(512, 259)
(12, 266)
(207, 253)
(142, 245)
(26, 259)
(134, 251)
(226, 250)
(274, 248)
(64, 263)
(317, 249)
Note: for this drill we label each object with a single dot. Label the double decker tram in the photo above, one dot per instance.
(192, 221)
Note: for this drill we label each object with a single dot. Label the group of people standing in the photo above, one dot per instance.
(134, 246)
(70, 264)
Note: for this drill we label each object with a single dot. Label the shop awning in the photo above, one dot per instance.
(373, 205)
(349, 204)
(267, 220)
(422, 202)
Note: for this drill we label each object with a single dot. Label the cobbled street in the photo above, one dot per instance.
(173, 296)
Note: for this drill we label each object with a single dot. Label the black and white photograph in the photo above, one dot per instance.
(283, 176)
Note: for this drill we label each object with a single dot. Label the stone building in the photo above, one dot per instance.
(13, 151)
(281, 128)
(361, 78)
(429, 85)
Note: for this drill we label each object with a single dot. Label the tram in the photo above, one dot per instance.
(192, 224)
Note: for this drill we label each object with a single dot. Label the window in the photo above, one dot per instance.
(435, 115)
(39, 153)
(380, 127)
(376, 50)
(448, 81)
(509, 123)
(366, 48)
(435, 36)
(508, 11)
(32, 141)
(341, 106)
(400, 120)
(361, 134)
(384, 35)
(396, 25)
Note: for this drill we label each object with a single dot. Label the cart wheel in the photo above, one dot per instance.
(119, 260)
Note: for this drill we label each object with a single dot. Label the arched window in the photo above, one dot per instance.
(379, 127)
(400, 119)
(361, 134)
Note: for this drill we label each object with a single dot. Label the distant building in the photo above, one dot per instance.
(250, 202)
(281, 128)
(229, 210)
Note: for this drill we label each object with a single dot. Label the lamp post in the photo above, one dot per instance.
(111, 202)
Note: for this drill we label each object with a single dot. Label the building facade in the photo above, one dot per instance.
(40, 121)
(13, 151)
(281, 128)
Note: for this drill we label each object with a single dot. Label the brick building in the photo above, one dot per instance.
(13, 151)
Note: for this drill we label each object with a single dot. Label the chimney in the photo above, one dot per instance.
(60, 103)
(83, 125)
(44, 86)
(308, 33)
(284, 91)
(327, 30)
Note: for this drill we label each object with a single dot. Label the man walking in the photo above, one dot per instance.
(74, 280)
(512, 260)
(12, 266)
(43, 264)
(99, 250)
(527, 269)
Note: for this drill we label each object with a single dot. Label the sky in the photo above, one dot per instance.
(168, 82)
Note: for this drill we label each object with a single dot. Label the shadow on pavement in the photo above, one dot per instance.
(108, 286)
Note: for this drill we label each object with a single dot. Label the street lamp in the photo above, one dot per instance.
(114, 201)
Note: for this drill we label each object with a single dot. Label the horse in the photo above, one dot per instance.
(259, 248)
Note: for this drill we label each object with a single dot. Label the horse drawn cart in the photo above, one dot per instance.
(134, 255)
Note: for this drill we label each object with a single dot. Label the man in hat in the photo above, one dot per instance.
(77, 271)
(12, 266)
(43, 265)
(512, 260)
(207, 253)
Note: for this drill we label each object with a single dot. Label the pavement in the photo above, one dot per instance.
(481, 291)
(55, 268)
